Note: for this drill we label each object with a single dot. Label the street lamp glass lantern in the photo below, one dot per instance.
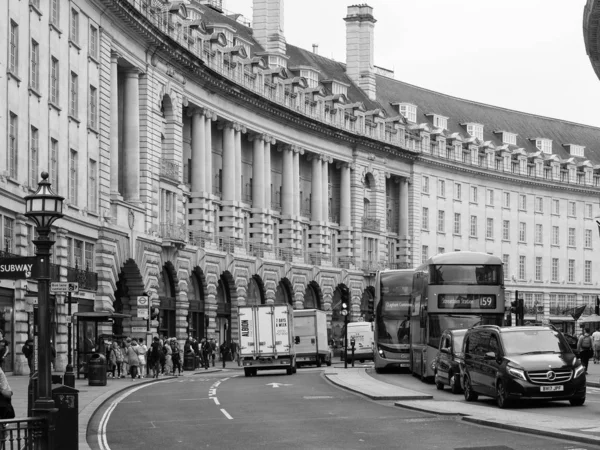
(44, 207)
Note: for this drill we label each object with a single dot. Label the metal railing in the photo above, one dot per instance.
(199, 238)
(169, 169)
(85, 278)
(345, 262)
(258, 249)
(23, 433)
(228, 244)
(284, 254)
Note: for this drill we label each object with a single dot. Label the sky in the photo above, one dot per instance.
(525, 55)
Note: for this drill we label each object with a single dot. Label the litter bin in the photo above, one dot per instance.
(189, 361)
(66, 435)
(97, 370)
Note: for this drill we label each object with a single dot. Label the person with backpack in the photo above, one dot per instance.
(205, 350)
(154, 356)
(224, 350)
(585, 348)
(28, 353)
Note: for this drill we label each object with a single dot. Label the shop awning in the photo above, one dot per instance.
(590, 319)
(559, 319)
(100, 316)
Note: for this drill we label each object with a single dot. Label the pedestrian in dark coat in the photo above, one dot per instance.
(27, 350)
(224, 350)
(213, 351)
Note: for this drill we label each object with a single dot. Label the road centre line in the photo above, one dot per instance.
(226, 414)
(190, 399)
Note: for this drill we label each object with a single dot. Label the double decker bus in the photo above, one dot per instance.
(392, 318)
(454, 290)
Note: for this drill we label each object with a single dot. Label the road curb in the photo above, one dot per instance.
(376, 397)
(538, 432)
(429, 411)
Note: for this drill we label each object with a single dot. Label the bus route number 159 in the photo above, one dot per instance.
(486, 302)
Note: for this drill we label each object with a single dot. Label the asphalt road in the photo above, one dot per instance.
(591, 408)
(228, 411)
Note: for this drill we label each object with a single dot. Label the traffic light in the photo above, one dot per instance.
(514, 307)
(345, 309)
(370, 308)
(520, 312)
(597, 310)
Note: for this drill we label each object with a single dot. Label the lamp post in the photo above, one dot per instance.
(44, 207)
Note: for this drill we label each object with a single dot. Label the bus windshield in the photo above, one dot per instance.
(392, 312)
(477, 275)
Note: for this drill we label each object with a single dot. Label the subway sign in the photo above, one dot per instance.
(18, 268)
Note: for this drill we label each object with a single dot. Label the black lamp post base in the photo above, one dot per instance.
(69, 377)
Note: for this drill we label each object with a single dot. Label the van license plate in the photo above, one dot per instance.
(552, 388)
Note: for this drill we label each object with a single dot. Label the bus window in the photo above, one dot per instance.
(490, 275)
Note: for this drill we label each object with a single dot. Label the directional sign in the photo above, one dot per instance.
(276, 385)
(63, 288)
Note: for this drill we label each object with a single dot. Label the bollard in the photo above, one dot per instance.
(66, 401)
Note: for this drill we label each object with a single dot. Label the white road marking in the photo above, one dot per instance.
(216, 400)
(276, 385)
(190, 399)
(226, 414)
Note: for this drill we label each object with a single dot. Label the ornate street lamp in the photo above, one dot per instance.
(44, 207)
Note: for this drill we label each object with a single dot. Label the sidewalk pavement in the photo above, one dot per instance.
(573, 429)
(90, 397)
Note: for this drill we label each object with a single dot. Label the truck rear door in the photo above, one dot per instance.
(248, 343)
(323, 344)
(264, 319)
(304, 329)
(282, 329)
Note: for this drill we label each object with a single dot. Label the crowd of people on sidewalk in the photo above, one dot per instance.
(163, 357)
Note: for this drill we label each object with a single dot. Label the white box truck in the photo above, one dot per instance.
(266, 338)
(362, 333)
(310, 331)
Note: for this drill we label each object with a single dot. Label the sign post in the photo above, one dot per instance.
(69, 377)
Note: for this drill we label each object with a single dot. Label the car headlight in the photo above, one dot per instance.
(579, 370)
(517, 373)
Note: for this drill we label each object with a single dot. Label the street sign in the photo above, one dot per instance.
(142, 313)
(142, 300)
(138, 329)
(18, 268)
(63, 288)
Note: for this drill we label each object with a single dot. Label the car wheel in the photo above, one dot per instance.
(378, 370)
(438, 384)
(502, 399)
(577, 401)
(470, 396)
(455, 383)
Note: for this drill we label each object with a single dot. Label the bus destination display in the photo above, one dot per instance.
(466, 301)
(390, 306)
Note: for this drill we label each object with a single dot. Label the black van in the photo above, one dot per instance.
(529, 362)
(447, 368)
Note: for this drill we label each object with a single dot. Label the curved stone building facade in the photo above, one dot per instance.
(208, 164)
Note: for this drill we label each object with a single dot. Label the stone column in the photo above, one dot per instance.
(114, 124)
(345, 197)
(198, 177)
(238, 162)
(268, 140)
(317, 190)
(209, 116)
(296, 181)
(287, 187)
(258, 172)
(325, 160)
(229, 174)
(131, 137)
(403, 219)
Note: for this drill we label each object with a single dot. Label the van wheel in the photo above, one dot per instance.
(577, 401)
(470, 396)
(502, 396)
(455, 383)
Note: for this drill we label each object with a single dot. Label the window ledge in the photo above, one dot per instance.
(93, 130)
(33, 7)
(491, 239)
(55, 106)
(443, 233)
(93, 59)
(555, 245)
(74, 44)
(473, 237)
(506, 207)
(473, 203)
(33, 91)
(541, 244)
(458, 200)
(539, 212)
(74, 119)
(457, 234)
(506, 240)
(54, 27)
(14, 76)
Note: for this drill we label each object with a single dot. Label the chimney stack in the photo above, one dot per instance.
(267, 25)
(360, 43)
(316, 49)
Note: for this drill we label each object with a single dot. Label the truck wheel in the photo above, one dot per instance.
(319, 362)
(289, 371)
(254, 372)
(294, 369)
(247, 373)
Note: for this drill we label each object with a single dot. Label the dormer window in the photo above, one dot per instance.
(576, 150)
(475, 130)
(409, 111)
(277, 61)
(228, 36)
(509, 138)
(545, 145)
(438, 121)
(338, 88)
(312, 77)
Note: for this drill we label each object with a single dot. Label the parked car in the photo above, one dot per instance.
(446, 363)
(513, 363)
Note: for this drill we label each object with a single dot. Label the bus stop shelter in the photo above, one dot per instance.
(87, 334)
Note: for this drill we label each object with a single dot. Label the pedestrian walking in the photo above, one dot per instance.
(133, 359)
(4, 349)
(224, 351)
(125, 349)
(234, 352)
(584, 346)
(155, 356)
(141, 352)
(27, 351)
(205, 349)
(213, 351)
(177, 359)
(596, 345)
(168, 352)
(115, 360)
